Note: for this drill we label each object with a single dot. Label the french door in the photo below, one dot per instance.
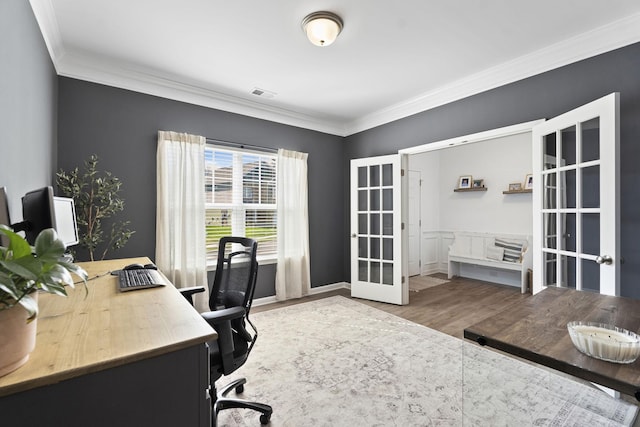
(378, 265)
(576, 199)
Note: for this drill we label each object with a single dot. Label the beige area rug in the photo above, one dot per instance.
(338, 362)
(419, 283)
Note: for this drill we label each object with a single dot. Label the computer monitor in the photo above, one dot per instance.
(37, 213)
(65, 224)
(41, 210)
(4, 215)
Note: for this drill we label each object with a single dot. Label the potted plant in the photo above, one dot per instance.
(25, 270)
(97, 198)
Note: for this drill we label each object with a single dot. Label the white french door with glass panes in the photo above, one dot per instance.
(378, 265)
(576, 199)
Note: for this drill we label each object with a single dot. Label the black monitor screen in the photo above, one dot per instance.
(4, 215)
(37, 212)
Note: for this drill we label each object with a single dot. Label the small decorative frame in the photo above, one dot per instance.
(528, 182)
(465, 181)
(515, 186)
(478, 183)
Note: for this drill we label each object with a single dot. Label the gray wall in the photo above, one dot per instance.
(121, 127)
(542, 96)
(28, 102)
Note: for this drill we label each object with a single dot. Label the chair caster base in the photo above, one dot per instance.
(265, 419)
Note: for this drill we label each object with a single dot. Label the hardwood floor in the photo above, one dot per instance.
(448, 308)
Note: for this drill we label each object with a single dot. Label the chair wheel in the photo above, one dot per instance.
(264, 418)
(240, 388)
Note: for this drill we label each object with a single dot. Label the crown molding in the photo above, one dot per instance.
(84, 67)
(88, 68)
(586, 45)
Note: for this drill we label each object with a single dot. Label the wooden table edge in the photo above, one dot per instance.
(576, 371)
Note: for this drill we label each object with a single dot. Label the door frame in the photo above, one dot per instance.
(459, 141)
(419, 221)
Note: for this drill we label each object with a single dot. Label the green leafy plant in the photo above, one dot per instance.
(25, 269)
(96, 197)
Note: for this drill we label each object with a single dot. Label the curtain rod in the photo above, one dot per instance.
(239, 145)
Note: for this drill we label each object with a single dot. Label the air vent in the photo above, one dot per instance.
(263, 93)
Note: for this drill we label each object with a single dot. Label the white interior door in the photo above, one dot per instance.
(414, 223)
(576, 199)
(377, 269)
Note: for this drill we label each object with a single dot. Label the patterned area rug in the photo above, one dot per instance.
(419, 283)
(337, 362)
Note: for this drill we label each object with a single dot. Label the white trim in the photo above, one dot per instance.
(600, 40)
(313, 291)
(603, 39)
(328, 288)
(84, 67)
(263, 301)
(473, 138)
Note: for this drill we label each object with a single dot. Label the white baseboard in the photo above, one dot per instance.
(313, 291)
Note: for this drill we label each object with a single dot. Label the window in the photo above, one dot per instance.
(240, 191)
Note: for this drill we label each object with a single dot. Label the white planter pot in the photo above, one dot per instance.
(17, 337)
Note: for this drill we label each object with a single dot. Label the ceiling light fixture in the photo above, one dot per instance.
(322, 28)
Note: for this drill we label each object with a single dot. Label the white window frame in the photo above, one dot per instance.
(237, 206)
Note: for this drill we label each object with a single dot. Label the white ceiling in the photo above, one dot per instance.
(393, 59)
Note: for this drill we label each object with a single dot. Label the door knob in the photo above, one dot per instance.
(604, 259)
(353, 235)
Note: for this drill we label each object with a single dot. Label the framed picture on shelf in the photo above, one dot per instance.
(528, 182)
(465, 181)
(515, 186)
(478, 183)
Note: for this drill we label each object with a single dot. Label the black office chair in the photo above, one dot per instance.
(230, 302)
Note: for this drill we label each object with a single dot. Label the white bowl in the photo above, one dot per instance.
(605, 342)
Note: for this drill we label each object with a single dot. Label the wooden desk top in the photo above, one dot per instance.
(536, 329)
(108, 328)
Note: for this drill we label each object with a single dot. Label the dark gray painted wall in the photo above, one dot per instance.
(542, 96)
(121, 127)
(28, 102)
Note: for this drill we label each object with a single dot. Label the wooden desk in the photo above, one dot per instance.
(112, 358)
(536, 329)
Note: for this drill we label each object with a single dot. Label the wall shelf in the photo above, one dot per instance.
(517, 191)
(462, 190)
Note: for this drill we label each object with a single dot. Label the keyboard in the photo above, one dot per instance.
(129, 280)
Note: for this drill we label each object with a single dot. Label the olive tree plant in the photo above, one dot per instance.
(96, 196)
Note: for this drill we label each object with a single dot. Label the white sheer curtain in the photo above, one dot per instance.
(292, 274)
(180, 213)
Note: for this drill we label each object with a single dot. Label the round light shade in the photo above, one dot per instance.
(322, 28)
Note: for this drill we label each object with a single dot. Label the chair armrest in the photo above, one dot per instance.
(225, 315)
(221, 321)
(189, 292)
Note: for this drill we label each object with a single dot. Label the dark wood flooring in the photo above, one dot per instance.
(448, 308)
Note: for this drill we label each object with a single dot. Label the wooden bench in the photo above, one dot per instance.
(502, 258)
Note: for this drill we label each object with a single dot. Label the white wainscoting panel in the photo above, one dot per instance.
(435, 251)
(446, 240)
(430, 253)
